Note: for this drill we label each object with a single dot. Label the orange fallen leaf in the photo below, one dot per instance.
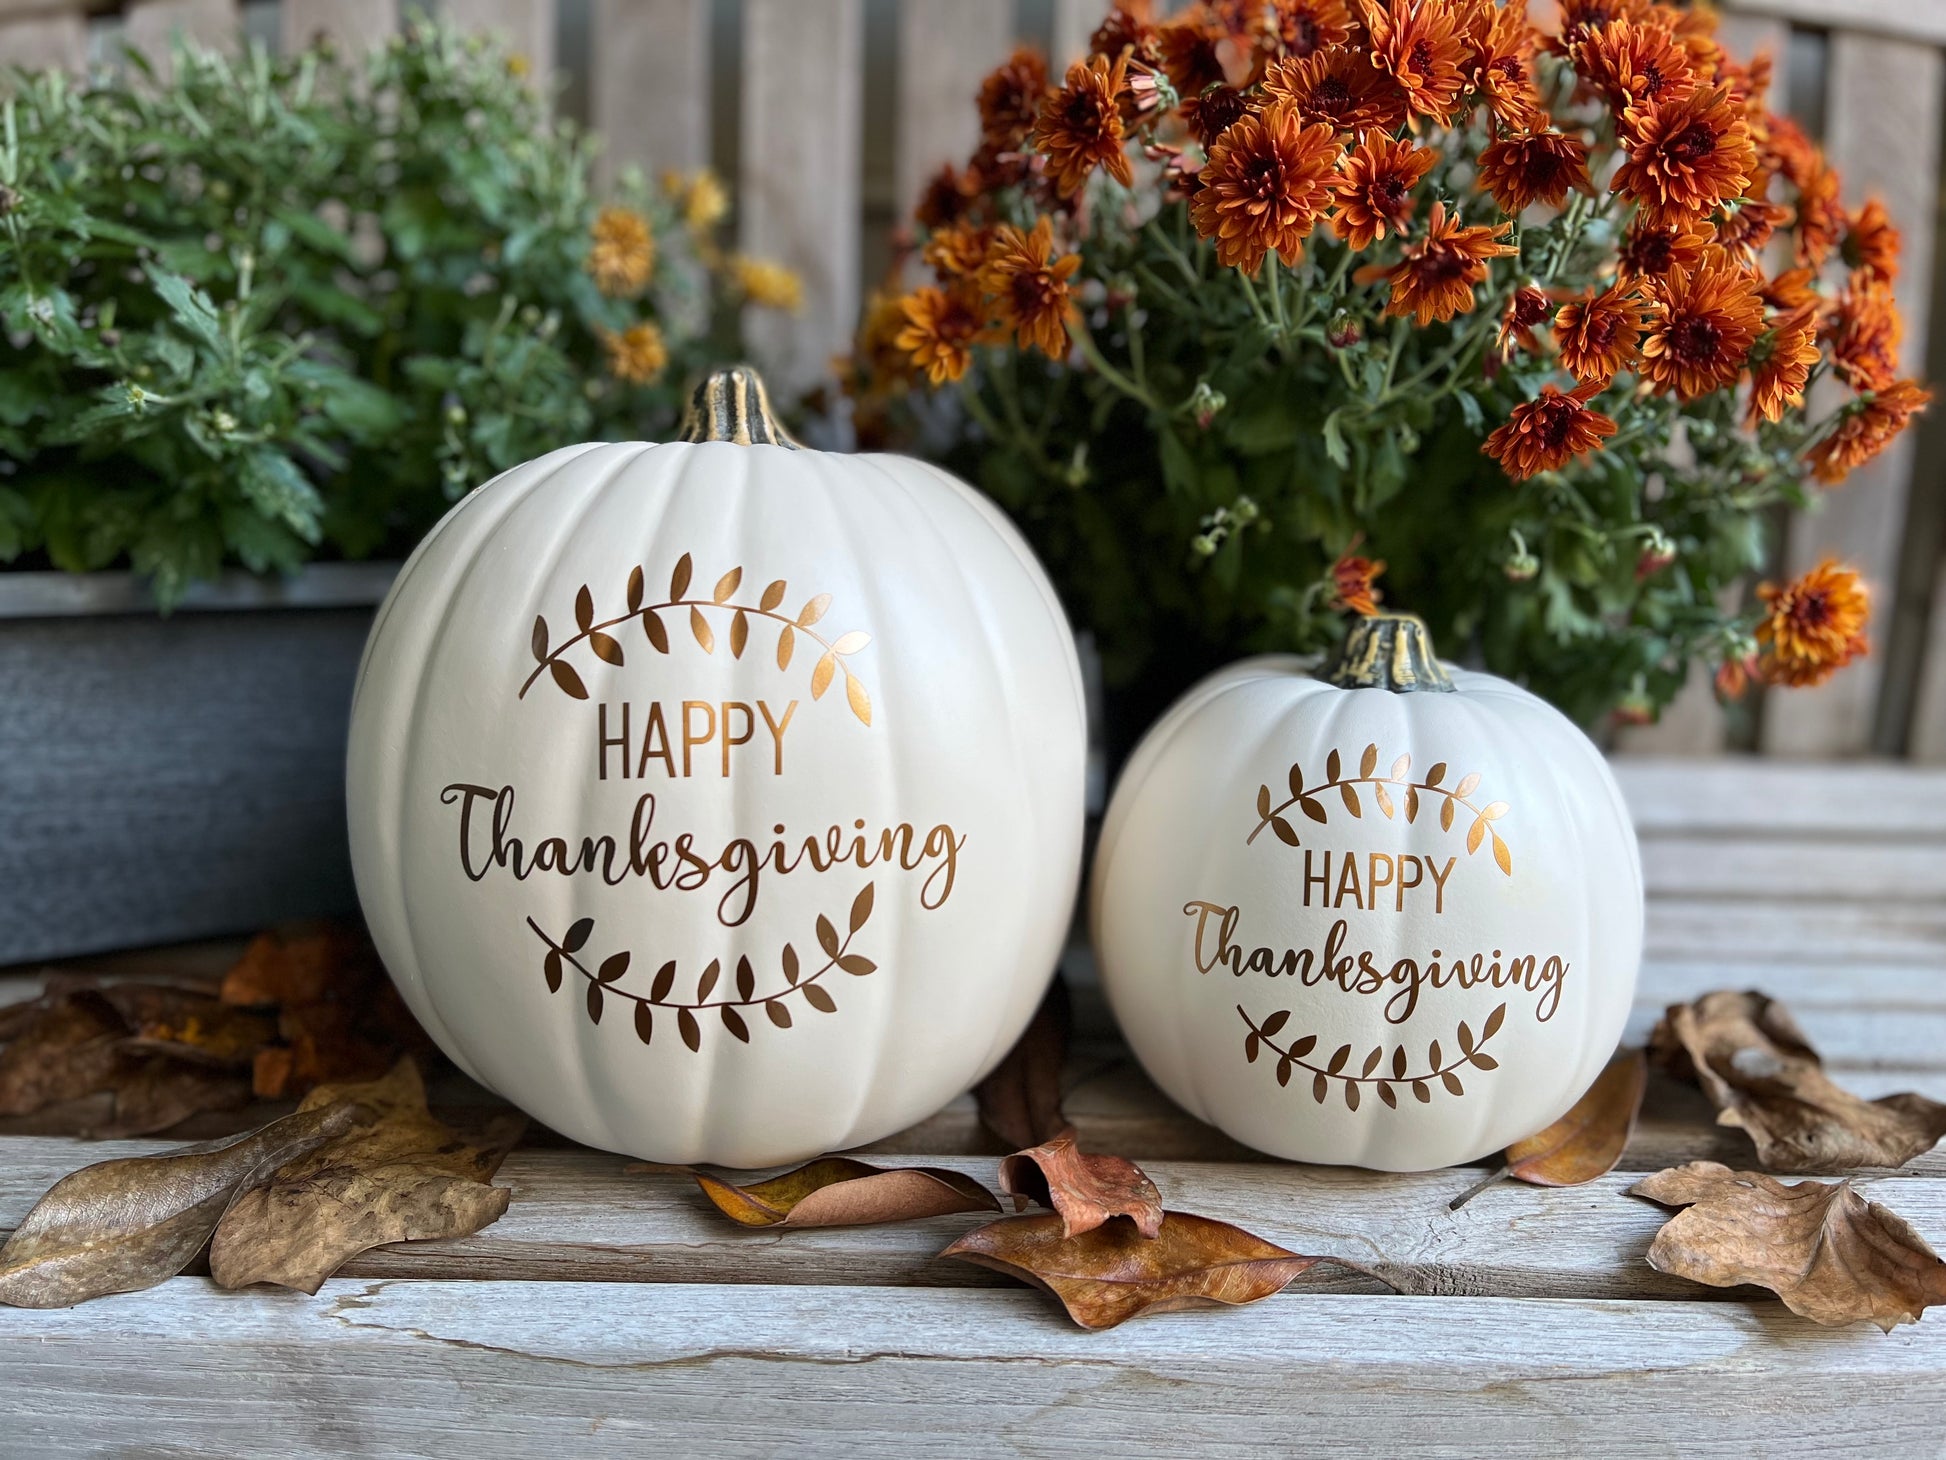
(1085, 1190)
(1831, 1255)
(838, 1191)
(1112, 1273)
(1020, 1101)
(1748, 1055)
(299, 963)
(1586, 1142)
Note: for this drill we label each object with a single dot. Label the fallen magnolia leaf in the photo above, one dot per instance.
(64, 1048)
(1084, 1190)
(1586, 1142)
(156, 1094)
(838, 1191)
(1020, 1101)
(1112, 1273)
(403, 1177)
(1753, 1062)
(1832, 1256)
(118, 1226)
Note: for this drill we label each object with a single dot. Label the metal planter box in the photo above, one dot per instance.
(171, 778)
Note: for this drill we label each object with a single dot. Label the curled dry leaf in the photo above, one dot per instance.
(1751, 1059)
(1084, 1190)
(837, 1191)
(160, 1092)
(1587, 1141)
(1020, 1102)
(65, 1046)
(403, 1177)
(118, 1226)
(1832, 1256)
(1110, 1274)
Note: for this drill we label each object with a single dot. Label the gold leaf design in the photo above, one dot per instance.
(584, 609)
(606, 649)
(699, 626)
(821, 676)
(786, 641)
(635, 588)
(726, 585)
(679, 580)
(850, 643)
(1368, 762)
(1306, 799)
(813, 611)
(739, 633)
(861, 703)
(772, 596)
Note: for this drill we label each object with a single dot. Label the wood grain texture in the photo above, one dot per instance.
(527, 26)
(1074, 23)
(945, 48)
(151, 26)
(1928, 745)
(353, 25)
(649, 79)
(799, 177)
(430, 1367)
(1884, 100)
(1758, 796)
(37, 38)
(1918, 20)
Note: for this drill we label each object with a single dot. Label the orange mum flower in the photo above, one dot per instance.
(1267, 180)
(1537, 167)
(1598, 334)
(1746, 225)
(1499, 56)
(1872, 244)
(1814, 626)
(1526, 311)
(1686, 154)
(1435, 277)
(1581, 18)
(941, 328)
(1010, 99)
(621, 253)
(1212, 114)
(637, 354)
(1865, 331)
(1792, 289)
(1339, 87)
(957, 250)
(1352, 583)
(1634, 64)
(1080, 126)
(1701, 325)
(1869, 426)
(1418, 46)
(1128, 28)
(1787, 151)
(1781, 364)
(1820, 219)
(1031, 289)
(1653, 251)
(1302, 28)
(1547, 433)
(946, 198)
(1375, 191)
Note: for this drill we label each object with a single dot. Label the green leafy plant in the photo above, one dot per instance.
(275, 308)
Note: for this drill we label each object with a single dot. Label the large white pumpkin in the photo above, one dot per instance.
(1390, 917)
(720, 800)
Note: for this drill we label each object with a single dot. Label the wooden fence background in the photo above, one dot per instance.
(825, 115)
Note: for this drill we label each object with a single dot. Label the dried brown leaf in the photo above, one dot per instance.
(118, 1226)
(1831, 1255)
(1020, 1101)
(1751, 1059)
(837, 1191)
(156, 1094)
(1587, 1141)
(67, 1048)
(1110, 1274)
(403, 1177)
(1085, 1190)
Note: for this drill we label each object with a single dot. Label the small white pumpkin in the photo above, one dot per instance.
(1390, 917)
(720, 800)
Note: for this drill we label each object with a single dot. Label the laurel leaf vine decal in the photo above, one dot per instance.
(722, 601)
(605, 980)
(1374, 1071)
(1410, 798)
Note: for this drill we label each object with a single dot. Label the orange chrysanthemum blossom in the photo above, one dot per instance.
(957, 250)
(1686, 154)
(1030, 287)
(1870, 424)
(1651, 250)
(946, 198)
(1787, 151)
(621, 252)
(1213, 113)
(1267, 180)
(1499, 44)
(1190, 56)
(636, 355)
(1547, 433)
(1598, 334)
(1780, 364)
(1634, 64)
(1820, 218)
(1375, 189)
(1746, 225)
(1435, 277)
(1582, 18)
(1338, 86)
(1080, 126)
(1303, 28)
(1526, 311)
(1701, 324)
(1533, 167)
(1792, 289)
(1865, 330)
(1010, 99)
(1417, 44)
(1128, 29)
(1871, 246)
(941, 328)
(1353, 583)
(1813, 627)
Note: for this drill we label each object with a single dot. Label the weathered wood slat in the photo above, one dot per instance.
(945, 48)
(354, 26)
(649, 78)
(45, 38)
(1918, 20)
(1881, 800)
(799, 175)
(527, 25)
(150, 26)
(1829, 934)
(1774, 866)
(371, 1367)
(1928, 744)
(1884, 98)
(1074, 22)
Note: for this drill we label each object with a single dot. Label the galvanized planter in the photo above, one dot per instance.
(172, 778)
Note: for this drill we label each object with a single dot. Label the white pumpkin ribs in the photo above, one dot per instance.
(604, 981)
(1292, 1057)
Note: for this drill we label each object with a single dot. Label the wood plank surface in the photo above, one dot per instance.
(152, 26)
(649, 79)
(38, 38)
(526, 25)
(945, 48)
(1918, 20)
(355, 26)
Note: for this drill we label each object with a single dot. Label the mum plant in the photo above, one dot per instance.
(1260, 301)
(273, 308)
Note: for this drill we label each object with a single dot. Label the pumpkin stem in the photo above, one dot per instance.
(731, 404)
(1388, 651)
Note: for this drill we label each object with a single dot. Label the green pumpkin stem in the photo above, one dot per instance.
(731, 404)
(1388, 651)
